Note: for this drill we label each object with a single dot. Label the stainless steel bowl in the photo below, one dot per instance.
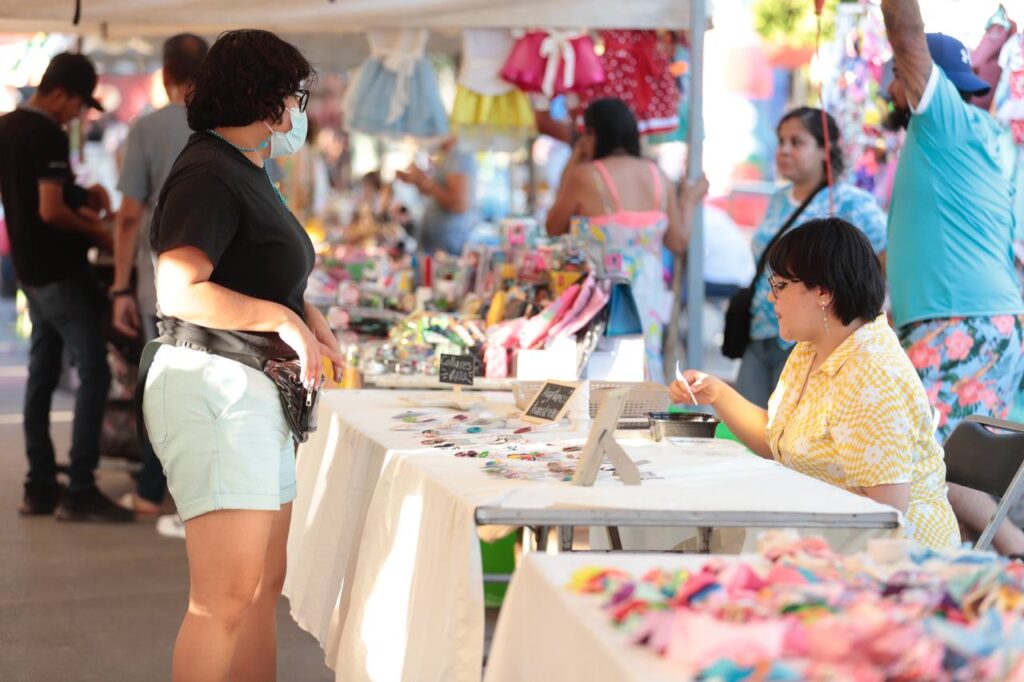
(681, 425)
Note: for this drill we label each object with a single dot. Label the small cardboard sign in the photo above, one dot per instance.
(457, 369)
(550, 403)
(601, 443)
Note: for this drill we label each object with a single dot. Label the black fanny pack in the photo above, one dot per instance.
(300, 405)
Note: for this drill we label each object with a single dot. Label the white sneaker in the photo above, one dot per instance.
(171, 526)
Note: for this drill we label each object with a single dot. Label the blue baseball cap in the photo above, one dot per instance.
(955, 60)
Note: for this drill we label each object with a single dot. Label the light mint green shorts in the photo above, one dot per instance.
(220, 433)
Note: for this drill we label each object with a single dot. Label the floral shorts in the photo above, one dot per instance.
(968, 365)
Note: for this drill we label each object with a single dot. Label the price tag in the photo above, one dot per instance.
(516, 234)
(550, 404)
(613, 263)
(457, 369)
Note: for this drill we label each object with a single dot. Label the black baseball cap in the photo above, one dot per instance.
(73, 73)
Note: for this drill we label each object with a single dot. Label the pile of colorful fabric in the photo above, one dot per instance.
(804, 613)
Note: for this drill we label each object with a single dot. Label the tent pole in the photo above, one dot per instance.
(694, 259)
(695, 169)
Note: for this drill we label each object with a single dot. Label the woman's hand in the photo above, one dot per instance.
(706, 388)
(694, 192)
(301, 339)
(328, 343)
(582, 151)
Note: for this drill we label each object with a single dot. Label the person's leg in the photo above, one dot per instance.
(255, 656)
(979, 358)
(151, 481)
(81, 327)
(754, 377)
(227, 557)
(44, 367)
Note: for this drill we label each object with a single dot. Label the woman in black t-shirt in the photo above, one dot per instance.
(231, 274)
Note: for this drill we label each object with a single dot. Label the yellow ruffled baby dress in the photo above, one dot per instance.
(489, 112)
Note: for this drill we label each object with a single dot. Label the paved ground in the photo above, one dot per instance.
(87, 602)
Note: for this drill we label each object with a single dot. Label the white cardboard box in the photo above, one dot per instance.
(556, 362)
(617, 358)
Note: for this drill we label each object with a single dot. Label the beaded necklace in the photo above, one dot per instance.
(253, 149)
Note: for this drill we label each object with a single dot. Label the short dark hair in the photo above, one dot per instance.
(183, 55)
(613, 126)
(810, 119)
(246, 77)
(833, 254)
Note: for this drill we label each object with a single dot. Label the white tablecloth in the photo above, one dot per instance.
(384, 565)
(545, 632)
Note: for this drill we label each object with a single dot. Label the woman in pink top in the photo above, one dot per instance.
(626, 210)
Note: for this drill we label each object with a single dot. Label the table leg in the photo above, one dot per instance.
(542, 538)
(565, 538)
(528, 540)
(704, 542)
(614, 541)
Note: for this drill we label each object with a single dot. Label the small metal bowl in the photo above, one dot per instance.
(681, 425)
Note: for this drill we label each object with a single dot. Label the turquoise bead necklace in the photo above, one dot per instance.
(253, 149)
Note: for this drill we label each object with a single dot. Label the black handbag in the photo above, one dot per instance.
(736, 336)
(301, 405)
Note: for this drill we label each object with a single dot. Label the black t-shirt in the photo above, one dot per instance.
(219, 202)
(33, 148)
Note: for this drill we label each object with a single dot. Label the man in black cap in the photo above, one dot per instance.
(51, 224)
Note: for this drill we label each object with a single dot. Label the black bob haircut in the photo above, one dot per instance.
(614, 127)
(833, 254)
(246, 77)
(810, 119)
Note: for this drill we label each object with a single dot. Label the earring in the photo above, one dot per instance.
(824, 317)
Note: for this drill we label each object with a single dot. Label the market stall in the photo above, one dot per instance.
(384, 554)
(553, 45)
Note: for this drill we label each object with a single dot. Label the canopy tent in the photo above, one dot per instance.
(126, 18)
(161, 17)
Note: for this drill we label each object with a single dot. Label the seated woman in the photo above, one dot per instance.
(849, 408)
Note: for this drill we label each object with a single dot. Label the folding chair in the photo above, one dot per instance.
(991, 462)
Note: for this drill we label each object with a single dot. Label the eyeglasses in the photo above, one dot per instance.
(303, 96)
(778, 285)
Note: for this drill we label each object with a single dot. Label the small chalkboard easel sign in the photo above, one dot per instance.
(457, 370)
(550, 403)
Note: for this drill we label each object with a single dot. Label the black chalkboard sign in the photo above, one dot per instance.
(550, 403)
(457, 369)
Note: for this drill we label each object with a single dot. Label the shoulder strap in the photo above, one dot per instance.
(612, 190)
(605, 203)
(660, 198)
(762, 262)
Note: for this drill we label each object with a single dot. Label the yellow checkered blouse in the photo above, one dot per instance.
(864, 420)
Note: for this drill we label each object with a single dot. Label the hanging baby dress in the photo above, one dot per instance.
(395, 93)
(1010, 93)
(553, 63)
(639, 74)
(489, 112)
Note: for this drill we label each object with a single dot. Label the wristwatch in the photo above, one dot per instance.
(114, 293)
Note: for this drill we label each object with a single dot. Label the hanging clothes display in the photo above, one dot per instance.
(680, 70)
(985, 57)
(1009, 108)
(639, 74)
(395, 93)
(1010, 92)
(489, 113)
(553, 63)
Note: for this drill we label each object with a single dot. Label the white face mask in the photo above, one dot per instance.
(283, 144)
